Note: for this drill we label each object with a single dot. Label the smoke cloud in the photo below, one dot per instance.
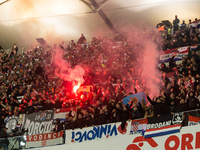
(64, 70)
(144, 39)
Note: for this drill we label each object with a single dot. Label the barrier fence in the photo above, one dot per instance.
(38, 135)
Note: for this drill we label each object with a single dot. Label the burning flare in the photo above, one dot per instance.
(76, 88)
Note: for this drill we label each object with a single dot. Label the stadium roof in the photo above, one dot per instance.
(22, 21)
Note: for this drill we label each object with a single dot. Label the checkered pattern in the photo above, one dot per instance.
(134, 126)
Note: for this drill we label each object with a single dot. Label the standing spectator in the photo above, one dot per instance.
(159, 107)
(182, 106)
(15, 48)
(12, 53)
(82, 39)
(183, 25)
(193, 102)
(176, 23)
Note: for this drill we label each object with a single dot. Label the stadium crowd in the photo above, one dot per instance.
(180, 34)
(111, 71)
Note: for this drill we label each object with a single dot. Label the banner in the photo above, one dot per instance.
(193, 120)
(11, 123)
(187, 139)
(46, 139)
(96, 132)
(179, 53)
(138, 126)
(163, 125)
(136, 97)
(39, 122)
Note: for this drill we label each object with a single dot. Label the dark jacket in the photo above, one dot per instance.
(181, 107)
(159, 108)
(48, 106)
(29, 110)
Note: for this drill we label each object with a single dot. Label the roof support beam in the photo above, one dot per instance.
(94, 6)
(2, 2)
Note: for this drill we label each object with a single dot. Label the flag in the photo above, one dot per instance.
(196, 24)
(162, 131)
(138, 126)
(179, 53)
(84, 88)
(194, 47)
(137, 97)
(163, 125)
(61, 113)
(193, 120)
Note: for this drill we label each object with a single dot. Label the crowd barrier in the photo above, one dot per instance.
(37, 130)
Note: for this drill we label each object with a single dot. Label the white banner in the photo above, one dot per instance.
(46, 139)
(187, 138)
(97, 132)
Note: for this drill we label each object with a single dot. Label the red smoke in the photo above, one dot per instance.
(65, 72)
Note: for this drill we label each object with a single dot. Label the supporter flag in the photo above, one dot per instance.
(193, 120)
(84, 89)
(163, 125)
(46, 139)
(196, 24)
(179, 53)
(136, 97)
(193, 47)
(61, 113)
(138, 126)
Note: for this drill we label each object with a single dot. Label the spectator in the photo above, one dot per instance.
(12, 53)
(15, 48)
(176, 23)
(48, 105)
(183, 25)
(32, 75)
(82, 39)
(29, 109)
(159, 107)
(58, 126)
(182, 106)
(192, 101)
